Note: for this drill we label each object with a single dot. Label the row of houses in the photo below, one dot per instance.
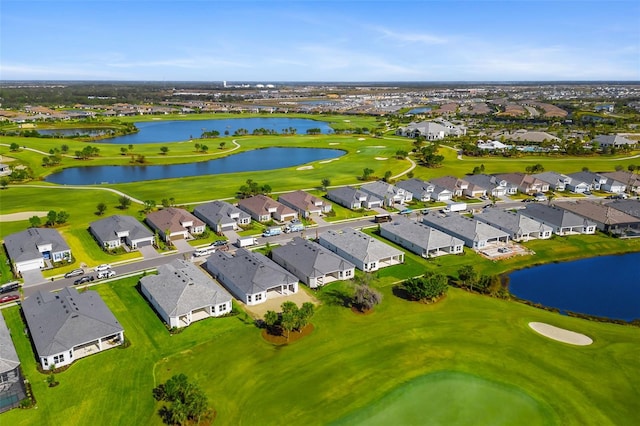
(68, 325)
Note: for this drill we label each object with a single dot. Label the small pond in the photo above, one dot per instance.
(259, 159)
(159, 131)
(419, 110)
(607, 286)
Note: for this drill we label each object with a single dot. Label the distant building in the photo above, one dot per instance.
(33, 248)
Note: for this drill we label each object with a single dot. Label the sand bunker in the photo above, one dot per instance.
(12, 217)
(361, 139)
(334, 143)
(560, 334)
(381, 158)
(305, 168)
(377, 146)
(328, 161)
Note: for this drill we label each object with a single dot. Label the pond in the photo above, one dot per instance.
(259, 159)
(607, 286)
(159, 131)
(419, 110)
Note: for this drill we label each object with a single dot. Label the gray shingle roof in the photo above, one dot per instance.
(181, 287)
(630, 207)
(555, 215)
(23, 245)
(420, 234)
(249, 271)
(219, 213)
(515, 223)
(311, 258)
(59, 321)
(601, 213)
(106, 229)
(8, 357)
(359, 245)
(347, 195)
(464, 227)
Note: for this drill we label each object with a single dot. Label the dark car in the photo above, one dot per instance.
(74, 273)
(85, 279)
(9, 287)
(219, 243)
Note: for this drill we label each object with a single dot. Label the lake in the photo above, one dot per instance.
(607, 286)
(256, 160)
(159, 131)
(419, 110)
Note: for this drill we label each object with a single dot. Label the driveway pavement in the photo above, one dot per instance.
(33, 277)
(183, 246)
(148, 252)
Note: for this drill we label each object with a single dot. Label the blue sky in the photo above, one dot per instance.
(304, 40)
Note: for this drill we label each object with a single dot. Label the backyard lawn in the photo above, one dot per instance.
(351, 364)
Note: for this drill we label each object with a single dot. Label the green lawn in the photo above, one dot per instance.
(349, 362)
(449, 398)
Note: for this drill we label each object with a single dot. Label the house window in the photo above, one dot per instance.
(46, 362)
(258, 297)
(57, 359)
(347, 273)
(222, 308)
(249, 298)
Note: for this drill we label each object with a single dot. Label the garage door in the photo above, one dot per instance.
(177, 237)
(143, 243)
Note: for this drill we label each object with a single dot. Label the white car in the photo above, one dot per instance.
(103, 267)
(106, 274)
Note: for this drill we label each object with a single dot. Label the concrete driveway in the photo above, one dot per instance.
(148, 252)
(33, 277)
(182, 246)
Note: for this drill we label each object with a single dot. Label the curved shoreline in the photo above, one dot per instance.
(561, 334)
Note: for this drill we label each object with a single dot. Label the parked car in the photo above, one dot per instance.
(103, 267)
(10, 298)
(6, 288)
(219, 243)
(74, 273)
(106, 274)
(406, 211)
(83, 280)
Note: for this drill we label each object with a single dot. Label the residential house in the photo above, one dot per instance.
(67, 325)
(367, 253)
(419, 238)
(250, 276)
(305, 204)
(35, 247)
(353, 198)
(562, 221)
(425, 191)
(556, 181)
(614, 141)
(221, 216)
(419, 189)
(182, 293)
(388, 193)
(12, 389)
(518, 226)
(475, 234)
(263, 209)
(313, 264)
(494, 186)
(431, 130)
(614, 186)
(121, 231)
(451, 183)
(174, 223)
(593, 180)
(605, 216)
(631, 180)
(527, 184)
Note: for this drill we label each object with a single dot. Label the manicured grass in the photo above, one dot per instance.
(349, 362)
(448, 398)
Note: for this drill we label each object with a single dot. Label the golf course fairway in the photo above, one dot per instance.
(451, 398)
